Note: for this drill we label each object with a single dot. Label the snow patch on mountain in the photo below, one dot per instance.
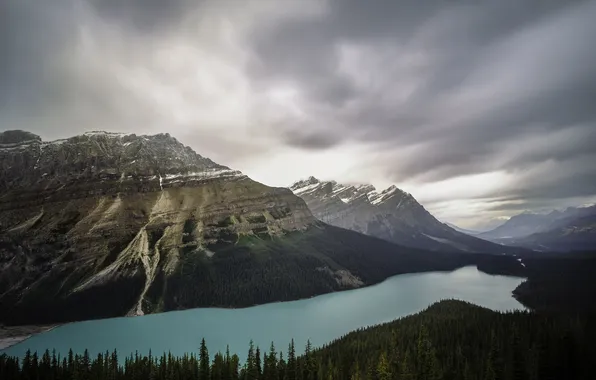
(206, 174)
(108, 134)
(345, 193)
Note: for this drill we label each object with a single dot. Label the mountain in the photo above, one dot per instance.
(392, 215)
(106, 224)
(463, 230)
(570, 234)
(560, 283)
(571, 229)
(520, 225)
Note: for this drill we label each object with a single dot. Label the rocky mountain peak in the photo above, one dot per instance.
(365, 188)
(391, 214)
(155, 159)
(346, 193)
(115, 208)
(305, 184)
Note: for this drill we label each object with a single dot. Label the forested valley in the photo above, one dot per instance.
(449, 340)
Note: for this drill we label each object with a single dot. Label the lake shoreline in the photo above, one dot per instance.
(11, 335)
(320, 319)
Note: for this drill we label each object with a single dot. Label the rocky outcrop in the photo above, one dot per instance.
(105, 224)
(391, 214)
(91, 210)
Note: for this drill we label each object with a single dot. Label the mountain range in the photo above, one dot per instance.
(392, 215)
(568, 230)
(106, 224)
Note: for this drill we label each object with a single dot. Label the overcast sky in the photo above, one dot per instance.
(480, 109)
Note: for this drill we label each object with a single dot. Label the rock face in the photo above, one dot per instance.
(391, 214)
(106, 224)
(120, 207)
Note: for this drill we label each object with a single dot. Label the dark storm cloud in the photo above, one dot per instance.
(31, 35)
(44, 86)
(309, 139)
(146, 16)
(481, 77)
(432, 89)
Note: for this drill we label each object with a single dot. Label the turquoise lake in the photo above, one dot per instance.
(320, 319)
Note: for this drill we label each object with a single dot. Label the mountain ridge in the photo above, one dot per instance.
(570, 229)
(105, 224)
(391, 214)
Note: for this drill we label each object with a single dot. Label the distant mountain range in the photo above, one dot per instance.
(391, 214)
(571, 229)
(107, 224)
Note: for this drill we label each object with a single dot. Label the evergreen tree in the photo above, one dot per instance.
(235, 367)
(494, 367)
(427, 365)
(85, 366)
(251, 372)
(309, 370)
(203, 361)
(450, 342)
(292, 370)
(356, 375)
(383, 371)
(270, 364)
(281, 367)
(218, 367)
(258, 364)
(227, 371)
(27, 368)
(408, 371)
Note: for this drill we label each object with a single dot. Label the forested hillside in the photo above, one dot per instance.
(560, 283)
(449, 340)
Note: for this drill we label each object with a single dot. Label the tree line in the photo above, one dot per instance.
(450, 340)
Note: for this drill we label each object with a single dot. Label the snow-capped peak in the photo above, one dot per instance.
(348, 194)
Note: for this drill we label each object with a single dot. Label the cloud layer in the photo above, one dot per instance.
(480, 109)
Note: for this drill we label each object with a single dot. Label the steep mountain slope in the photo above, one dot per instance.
(106, 224)
(392, 214)
(572, 229)
(463, 230)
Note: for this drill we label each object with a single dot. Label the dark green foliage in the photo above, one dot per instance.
(203, 361)
(451, 340)
(292, 369)
(248, 270)
(270, 371)
(250, 370)
(560, 283)
(457, 340)
(235, 271)
(52, 301)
